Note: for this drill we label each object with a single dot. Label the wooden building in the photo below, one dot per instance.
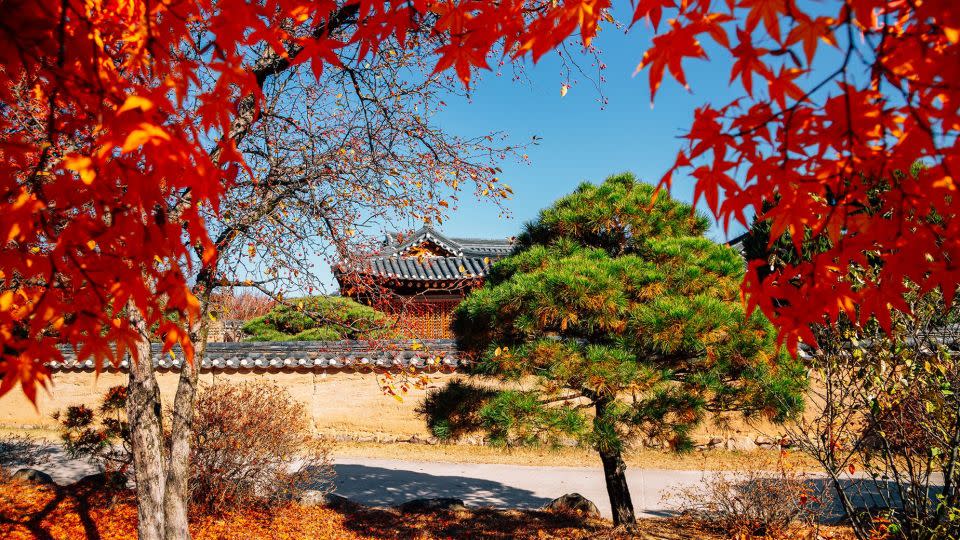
(422, 278)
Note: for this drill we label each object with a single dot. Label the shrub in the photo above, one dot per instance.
(242, 306)
(253, 446)
(454, 411)
(101, 436)
(319, 318)
(754, 502)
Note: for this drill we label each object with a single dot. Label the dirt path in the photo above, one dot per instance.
(387, 482)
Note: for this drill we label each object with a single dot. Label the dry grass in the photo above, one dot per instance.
(710, 460)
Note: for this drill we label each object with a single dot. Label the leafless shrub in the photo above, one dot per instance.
(253, 446)
(241, 305)
(754, 503)
(883, 420)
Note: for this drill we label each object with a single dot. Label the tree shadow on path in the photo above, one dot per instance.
(378, 486)
(383, 487)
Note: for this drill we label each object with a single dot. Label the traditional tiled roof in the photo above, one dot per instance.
(385, 355)
(737, 241)
(429, 268)
(476, 247)
(462, 258)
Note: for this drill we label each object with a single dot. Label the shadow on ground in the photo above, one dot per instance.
(482, 523)
(377, 486)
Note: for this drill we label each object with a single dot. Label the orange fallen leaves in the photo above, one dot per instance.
(28, 511)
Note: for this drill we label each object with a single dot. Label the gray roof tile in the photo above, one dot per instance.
(296, 355)
(470, 258)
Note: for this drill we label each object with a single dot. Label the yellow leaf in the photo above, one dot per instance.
(212, 317)
(144, 134)
(136, 102)
(6, 299)
(498, 352)
(83, 166)
(953, 34)
(398, 398)
(945, 182)
(563, 89)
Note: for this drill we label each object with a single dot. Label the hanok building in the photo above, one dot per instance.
(422, 278)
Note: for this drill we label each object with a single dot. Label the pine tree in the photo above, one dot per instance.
(614, 303)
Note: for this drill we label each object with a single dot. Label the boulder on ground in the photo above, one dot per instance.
(111, 480)
(429, 505)
(332, 501)
(573, 503)
(34, 476)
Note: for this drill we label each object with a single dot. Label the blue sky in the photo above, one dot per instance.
(580, 140)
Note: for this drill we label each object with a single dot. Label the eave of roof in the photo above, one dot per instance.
(348, 355)
(457, 246)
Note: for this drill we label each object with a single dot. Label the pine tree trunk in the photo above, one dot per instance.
(614, 472)
(615, 475)
(146, 435)
(177, 495)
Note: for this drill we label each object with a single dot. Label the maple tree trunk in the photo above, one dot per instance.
(146, 435)
(177, 495)
(615, 476)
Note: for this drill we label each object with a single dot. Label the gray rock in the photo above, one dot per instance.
(112, 480)
(763, 441)
(573, 503)
(654, 442)
(312, 497)
(339, 502)
(429, 505)
(333, 501)
(740, 443)
(34, 476)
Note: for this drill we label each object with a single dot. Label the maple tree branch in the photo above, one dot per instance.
(270, 63)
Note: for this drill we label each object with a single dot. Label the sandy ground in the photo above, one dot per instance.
(709, 460)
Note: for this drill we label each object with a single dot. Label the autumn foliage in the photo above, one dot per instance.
(104, 177)
(837, 97)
